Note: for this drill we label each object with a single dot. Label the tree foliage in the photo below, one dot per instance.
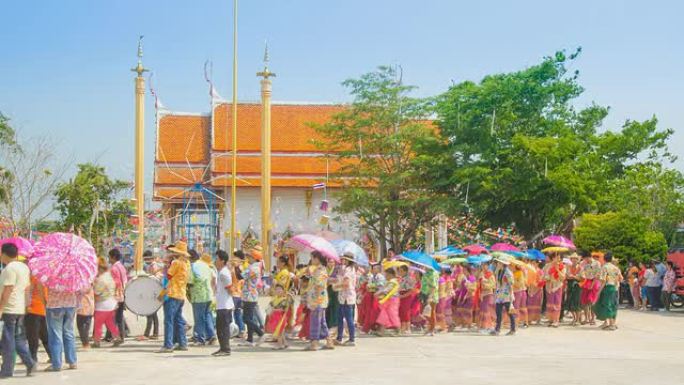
(628, 235)
(521, 153)
(89, 203)
(381, 140)
(38, 169)
(651, 191)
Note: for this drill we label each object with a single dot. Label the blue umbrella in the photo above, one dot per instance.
(450, 251)
(348, 247)
(420, 258)
(517, 254)
(536, 254)
(479, 259)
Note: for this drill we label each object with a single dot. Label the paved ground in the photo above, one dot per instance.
(647, 349)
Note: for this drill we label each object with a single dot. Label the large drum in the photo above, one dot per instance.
(142, 295)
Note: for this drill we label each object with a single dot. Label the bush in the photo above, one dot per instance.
(627, 235)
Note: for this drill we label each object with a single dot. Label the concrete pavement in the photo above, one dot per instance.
(648, 349)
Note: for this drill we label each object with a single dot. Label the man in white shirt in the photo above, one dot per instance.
(224, 303)
(14, 280)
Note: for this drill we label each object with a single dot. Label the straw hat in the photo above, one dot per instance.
(574, 256)
(180, 248)
(348, 256)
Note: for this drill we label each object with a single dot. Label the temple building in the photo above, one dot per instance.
(192, 172)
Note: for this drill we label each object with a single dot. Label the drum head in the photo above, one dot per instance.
(141, 295)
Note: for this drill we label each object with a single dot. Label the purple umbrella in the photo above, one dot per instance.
(560, 241)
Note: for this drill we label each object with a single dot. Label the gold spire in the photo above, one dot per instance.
(266, 73)
(139, 68)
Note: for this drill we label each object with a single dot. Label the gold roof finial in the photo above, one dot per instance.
(266, 73)
(139, 68)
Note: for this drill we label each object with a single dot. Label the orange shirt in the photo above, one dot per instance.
(36, 306)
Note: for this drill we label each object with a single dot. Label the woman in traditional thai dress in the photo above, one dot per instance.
(554, 275)
(520, 294)
(388, 299)
(487, 305)
(607, 305)
(465, 299)
(408, 294)
(535, 293)
(372, 310)
(574, 290)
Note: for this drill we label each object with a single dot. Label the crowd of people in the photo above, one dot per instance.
(325, 303)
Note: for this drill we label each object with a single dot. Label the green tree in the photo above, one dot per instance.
(382, 142)
(518, 151)
(88, 204)
(628, 235)
(652, 191)
(8, 144)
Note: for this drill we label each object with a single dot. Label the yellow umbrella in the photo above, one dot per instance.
(555, 249)
(393, 264)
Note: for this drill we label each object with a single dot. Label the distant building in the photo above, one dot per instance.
(193, 166)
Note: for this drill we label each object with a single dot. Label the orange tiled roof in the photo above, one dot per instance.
(186, 144)
(183, 138)
(290, 131)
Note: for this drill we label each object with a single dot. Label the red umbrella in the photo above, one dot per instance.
(476, 249)
(504, 247)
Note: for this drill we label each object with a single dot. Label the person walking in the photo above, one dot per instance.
(653, 284)
(177, 275)
(668, 285)
(106, 304)
(15, 281)
(607, 305)
(504, 296)
(346, 287)
(120, 275)
(250, 298)
(202, 279)
(35, 322)
(61, 313)
(84, 317)
(224, 303)
(554, 275)
(317, 302)
(236, 290)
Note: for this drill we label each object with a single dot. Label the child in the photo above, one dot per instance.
(280, 310)
(303, 311)
(388, 300)
(85, 316)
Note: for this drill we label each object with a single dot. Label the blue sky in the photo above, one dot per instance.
(65, 65)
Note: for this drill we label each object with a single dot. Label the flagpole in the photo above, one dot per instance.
(233, 186)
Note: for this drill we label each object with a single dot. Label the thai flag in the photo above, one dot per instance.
(318, 186)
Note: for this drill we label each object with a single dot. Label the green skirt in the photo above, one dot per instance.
(333, 306)
(574, 294)
(607, 304)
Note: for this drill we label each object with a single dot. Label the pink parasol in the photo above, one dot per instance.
(504, 247)
(24, 245)
(309, 243)
(64, 262)
(560, 241)
(476, 249)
